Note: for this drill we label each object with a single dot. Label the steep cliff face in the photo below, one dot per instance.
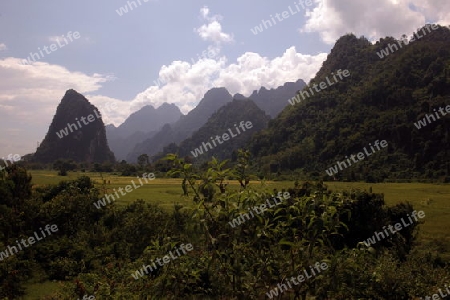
(77, 132)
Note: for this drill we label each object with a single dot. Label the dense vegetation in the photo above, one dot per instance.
(96, 251)
(381, 100)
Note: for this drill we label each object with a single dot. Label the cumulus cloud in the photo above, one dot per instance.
(113, 110)
(373, 18)
(253, 71)
(2, 47)
(212, 31)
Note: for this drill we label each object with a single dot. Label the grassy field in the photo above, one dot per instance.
(167, 192)
(36, 291)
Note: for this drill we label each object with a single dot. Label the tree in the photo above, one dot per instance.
(62, 166)
(143, 160)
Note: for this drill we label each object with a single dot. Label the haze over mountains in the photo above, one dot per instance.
(381, 100)
(139, 126)
(149, 130)
(174, 132)
(225, 120)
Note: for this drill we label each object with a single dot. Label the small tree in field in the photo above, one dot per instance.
(143, 160)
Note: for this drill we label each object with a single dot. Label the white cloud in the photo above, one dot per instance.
(438, 11)
(3, 47)
(55, 38)
(373, 18)
(212, 31)
(204, 11)
(253, 71)
(114, 111)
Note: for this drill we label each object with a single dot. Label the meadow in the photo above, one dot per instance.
(433, 199)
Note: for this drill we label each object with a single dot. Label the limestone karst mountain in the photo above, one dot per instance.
(76, 133)
(273, 101)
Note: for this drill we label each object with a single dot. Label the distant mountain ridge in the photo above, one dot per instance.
(271, 101)
(185, 126)
(139, 126)
(76, 133)
(230, 119)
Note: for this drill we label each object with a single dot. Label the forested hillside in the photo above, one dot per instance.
(380, 100)
(223, 121)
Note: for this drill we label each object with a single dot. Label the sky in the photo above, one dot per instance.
(123, 55)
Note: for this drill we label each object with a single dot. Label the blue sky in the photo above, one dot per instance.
(117, 60)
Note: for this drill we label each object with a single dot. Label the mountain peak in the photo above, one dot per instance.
(69, 138)
(217, 92)
(71, 92)
(168, 107)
